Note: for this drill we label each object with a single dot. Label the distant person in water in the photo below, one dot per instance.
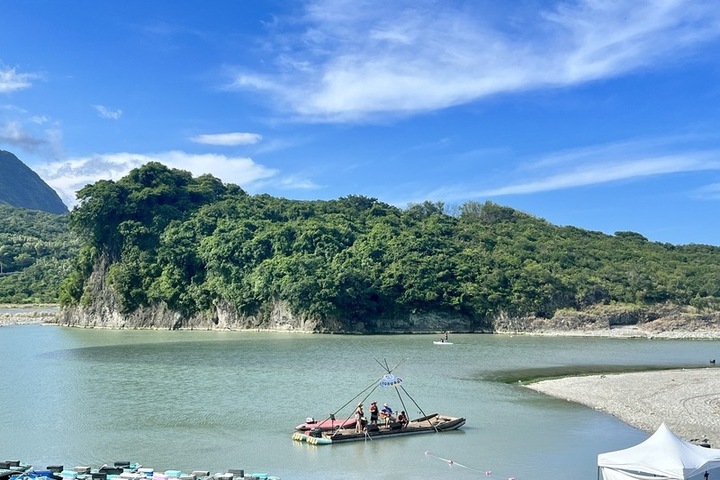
(446, 335)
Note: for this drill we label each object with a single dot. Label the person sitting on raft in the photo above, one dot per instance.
(402, 418)
(386, 414)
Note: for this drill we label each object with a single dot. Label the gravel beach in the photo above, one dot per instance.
(27, 314)
(687, 400)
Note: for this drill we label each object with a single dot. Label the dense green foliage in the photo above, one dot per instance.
(191, 242)
(36, 252)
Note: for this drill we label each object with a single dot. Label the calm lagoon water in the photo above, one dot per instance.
(219, 400)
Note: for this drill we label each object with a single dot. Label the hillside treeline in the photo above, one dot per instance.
(36, 249)
(190, 242)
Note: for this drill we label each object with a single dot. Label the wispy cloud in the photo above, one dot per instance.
(228, 139)
(164, 36)
(108, 113)
(709, 192)
(351, 61)
(296, 182)
(14, 134)
(70, 175)
(626, 161)
(11, 80)
(599, 173)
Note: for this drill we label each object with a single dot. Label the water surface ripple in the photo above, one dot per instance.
(219, 400)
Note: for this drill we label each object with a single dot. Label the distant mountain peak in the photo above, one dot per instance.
(21, 187)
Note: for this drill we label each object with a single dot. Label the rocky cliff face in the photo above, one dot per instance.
(162, 318)
(625, 321)
(104, 313)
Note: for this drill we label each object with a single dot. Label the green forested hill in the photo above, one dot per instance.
(21, 187)
(190, 242)
(36, 252)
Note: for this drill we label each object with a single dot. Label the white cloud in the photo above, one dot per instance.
(14, 134)
(228, 139)
(355, 62)
(598, 173)
(105, 112)
(11, 80)
(626, 161)
(70, 175)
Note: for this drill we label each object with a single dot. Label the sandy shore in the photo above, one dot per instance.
(687, 400)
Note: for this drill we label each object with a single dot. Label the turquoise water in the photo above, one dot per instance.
(219, 400)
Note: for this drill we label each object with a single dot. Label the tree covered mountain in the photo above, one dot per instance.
(161, 237)
(36, 254)
(21, 187)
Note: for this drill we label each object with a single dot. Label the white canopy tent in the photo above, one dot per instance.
(663, 456)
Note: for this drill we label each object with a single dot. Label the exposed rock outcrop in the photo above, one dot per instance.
(608, 321)
(104, 311)
(278, 317)
(662, 320)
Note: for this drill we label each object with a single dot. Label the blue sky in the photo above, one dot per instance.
(604, 115)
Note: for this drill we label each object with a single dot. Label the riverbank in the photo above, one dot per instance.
(619, 320)
(11, 314)
(629, 331)
(687, 400)
(23, 314)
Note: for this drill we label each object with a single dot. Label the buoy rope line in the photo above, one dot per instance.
(452, 463)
